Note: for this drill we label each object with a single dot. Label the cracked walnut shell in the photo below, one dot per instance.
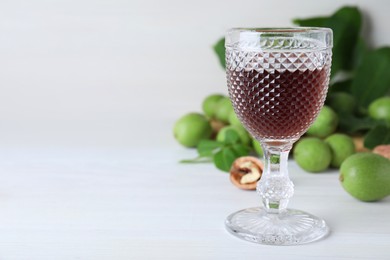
(246, 172)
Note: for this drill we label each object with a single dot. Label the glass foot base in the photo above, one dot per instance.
(291, 227)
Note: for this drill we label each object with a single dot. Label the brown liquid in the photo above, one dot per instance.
(277, 105)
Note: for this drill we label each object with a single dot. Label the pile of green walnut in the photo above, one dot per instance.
(217, 134)
(351, 133)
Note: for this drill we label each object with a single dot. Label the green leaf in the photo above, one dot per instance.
(361, 49)
(346, 24)
(208, 147)
(197, 160)
(378, 135)
(351, 124)
(372, 78)
(231, 137)
(224, 159)
(341, 86)
(219, 49)
(241, 150)
(311, 22)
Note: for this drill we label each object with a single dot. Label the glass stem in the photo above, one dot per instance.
(275, 186)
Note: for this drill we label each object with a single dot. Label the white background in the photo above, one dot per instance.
(96, 72)
(89, 92)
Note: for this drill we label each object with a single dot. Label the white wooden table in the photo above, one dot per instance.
(135, 201)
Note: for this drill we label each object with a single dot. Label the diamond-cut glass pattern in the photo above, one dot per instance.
(277, 94)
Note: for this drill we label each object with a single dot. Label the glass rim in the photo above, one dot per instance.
(322, 37)
(278, 30)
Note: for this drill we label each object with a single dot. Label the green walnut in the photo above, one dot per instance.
(191, 128)
(366, 176)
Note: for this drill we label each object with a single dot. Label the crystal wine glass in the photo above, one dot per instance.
(277, 79)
